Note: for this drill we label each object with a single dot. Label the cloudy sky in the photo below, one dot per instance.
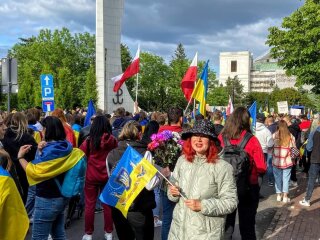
(206, 26)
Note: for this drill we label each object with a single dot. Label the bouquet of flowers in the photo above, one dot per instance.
(166, 148)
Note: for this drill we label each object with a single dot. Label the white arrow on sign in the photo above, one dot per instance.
(47, 79)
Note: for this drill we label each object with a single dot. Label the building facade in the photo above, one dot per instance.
(259, 75)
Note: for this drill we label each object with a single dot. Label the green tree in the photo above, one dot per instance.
(218, 96)
(235, 90)
(91, 91)
(296, 44)
(153, 89)
(178, 67)
(262, 99)
(67, 57)
(126, 57)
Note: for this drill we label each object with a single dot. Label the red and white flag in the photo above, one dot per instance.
(187, 83)
(131, 70)
(229, 109)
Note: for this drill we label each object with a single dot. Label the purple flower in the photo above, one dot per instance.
(153, 137)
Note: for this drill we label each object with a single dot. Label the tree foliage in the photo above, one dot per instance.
(67, 57)
(235, 90)
(297, 44)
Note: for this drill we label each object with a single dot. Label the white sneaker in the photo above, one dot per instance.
(305, 203)
(286, 200)
(87, 237)
(108, 236)
(279, 198)
(157, 223)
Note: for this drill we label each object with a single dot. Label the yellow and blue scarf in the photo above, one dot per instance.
(55, 158)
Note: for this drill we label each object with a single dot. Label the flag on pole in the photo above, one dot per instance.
(229, 109)
(13, 216)
(187, 83)
(131, 175)
(200, 91)
(253, 116)
(90, 112)
(131, 70)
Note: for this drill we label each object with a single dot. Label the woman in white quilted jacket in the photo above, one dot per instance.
(205, 189)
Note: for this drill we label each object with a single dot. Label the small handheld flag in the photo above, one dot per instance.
(187, 83)
(90, 112)
(229, 109)
(253, 115)
(132, 174)
(200, 91)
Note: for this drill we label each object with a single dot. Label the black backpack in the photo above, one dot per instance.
(239, 159)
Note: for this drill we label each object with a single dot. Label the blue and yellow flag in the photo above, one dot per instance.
(12, 210)
(253, 116)
(200, 91)
(55, 158)
(90, 112)
(131, 175)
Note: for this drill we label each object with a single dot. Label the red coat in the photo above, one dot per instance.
(177, 129)
(254, 150)
(96, 167)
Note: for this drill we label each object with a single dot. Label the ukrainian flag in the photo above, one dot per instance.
(12, 210)
(131, 175)
(200, 91)
(253, 116)
(55, 158)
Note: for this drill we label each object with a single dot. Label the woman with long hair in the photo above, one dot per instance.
(139, 222)
(54, 157)
(282, 162)
(236, 130)
(17, 135)
(96, 147)
(205, 190)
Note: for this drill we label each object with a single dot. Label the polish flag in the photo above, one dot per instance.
(229, 109)
(187, 83)
(131, 70)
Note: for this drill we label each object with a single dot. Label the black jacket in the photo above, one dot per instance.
(12, 146)
(145, 200)
(296, 132)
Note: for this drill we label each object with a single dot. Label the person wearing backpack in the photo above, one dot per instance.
(97, 147)
(54, 160)
(248, 164)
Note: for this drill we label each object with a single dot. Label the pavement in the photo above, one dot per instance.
(274, 220)
(293, 221)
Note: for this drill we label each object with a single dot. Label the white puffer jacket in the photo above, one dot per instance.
(214, 185)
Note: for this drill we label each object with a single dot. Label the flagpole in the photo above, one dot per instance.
(184, 198)
(185, 111)
(137, 87)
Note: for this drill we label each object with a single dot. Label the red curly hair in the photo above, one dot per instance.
(189, 153)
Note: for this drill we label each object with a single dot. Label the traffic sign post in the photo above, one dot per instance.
(48, 105)
(47, 92)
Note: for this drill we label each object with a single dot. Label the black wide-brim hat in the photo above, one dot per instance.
(202, 126)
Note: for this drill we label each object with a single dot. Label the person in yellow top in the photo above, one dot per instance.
(12, 210)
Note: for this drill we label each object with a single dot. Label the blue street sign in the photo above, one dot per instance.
(48, 105)
(47, 86)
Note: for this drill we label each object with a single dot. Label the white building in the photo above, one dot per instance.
(259, 75)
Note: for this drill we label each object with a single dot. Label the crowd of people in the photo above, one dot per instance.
(209, 184)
